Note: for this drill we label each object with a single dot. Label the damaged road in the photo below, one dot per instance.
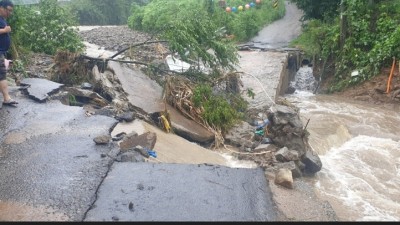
(50, 167)
(52, 170)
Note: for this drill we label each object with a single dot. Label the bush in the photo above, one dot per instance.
(45, 28)
(218, 110)
(372, 39)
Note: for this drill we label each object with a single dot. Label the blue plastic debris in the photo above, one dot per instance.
(265, 123)
(152, 153)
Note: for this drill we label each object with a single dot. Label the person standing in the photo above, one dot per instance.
(6, 9)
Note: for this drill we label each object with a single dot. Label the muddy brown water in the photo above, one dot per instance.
(359, 146)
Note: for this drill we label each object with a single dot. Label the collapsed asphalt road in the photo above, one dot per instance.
(51, 170)
(49, 163)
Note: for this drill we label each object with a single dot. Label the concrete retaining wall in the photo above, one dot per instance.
(288, 73)
(267, 74)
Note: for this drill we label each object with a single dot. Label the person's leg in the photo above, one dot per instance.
(4, 90)
(3, 80)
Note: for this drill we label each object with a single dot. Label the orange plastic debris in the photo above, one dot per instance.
(390, 76)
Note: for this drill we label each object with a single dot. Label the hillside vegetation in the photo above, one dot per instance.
(343, 36)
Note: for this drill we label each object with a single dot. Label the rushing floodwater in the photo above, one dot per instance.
(359, 146)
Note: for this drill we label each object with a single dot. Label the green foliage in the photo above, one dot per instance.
(45, 27)
(87, 13)
(372, 38)
(246, 24)
(194, 36)
(159, 13)
(250, 93)
(318, 38)
(191, 34)
(72, 100)
(222, 112)
(16, 22)
(135, 20)
(318, 9)
(103, 12)
(243, 25)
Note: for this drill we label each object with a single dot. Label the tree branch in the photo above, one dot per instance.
(105, 60)
(135, 45)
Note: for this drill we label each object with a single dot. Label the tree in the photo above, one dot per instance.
(45, 27)
(193, 34)
(318, 9)
(103, 12)
(365, 38)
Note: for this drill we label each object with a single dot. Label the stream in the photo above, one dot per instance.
(359, 146)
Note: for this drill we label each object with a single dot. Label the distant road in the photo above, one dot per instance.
(281, 32)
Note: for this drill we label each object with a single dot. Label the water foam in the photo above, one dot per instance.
(235, 163)
(363, 173)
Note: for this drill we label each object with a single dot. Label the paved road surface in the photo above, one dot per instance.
(281, 32)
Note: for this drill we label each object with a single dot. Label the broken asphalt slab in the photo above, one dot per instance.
(147, 94)
(39, 89)
(181, 192)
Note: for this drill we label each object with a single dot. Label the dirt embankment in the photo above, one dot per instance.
(373, 91)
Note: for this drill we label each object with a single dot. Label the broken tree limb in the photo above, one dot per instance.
(135, 45)
(306, 125)
(105, 61)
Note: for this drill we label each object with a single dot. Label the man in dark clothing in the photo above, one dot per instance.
(6, 8)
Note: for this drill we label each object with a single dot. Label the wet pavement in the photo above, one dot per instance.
(179, 192)
(49, 163)
(280, 33)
